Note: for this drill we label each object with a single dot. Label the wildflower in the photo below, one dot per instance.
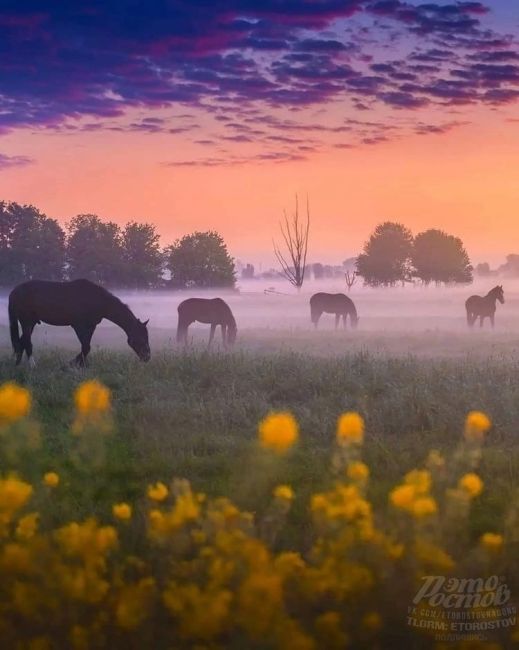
(491, 541)
(424, 506)
(371, 621)
(350, 429)
(476, 425)
(471, 484)
(51, 479)
(357, 471)
(157, 492)
(27, 526)
(122, 511)
(14, 494)
(15, 403)
(92, 398)
(284, 492)
(134, 603)
(402, 496)
(435, 460)
(420, 479)
(278, 431)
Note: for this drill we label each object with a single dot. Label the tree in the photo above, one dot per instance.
(295, 235)
(385, 259)
(95, 250)
(142, 257)
(32, 246)
(200, 260)
(440, 257)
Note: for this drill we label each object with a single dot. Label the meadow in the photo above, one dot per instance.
(194, 414)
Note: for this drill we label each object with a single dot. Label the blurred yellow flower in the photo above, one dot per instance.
(491, 541)
(158, 492)
(15, 403)
(122, 511)
(402, 496)
(278, 431)
(420, 479)
(350, 429)
(371, 621)
(27, 526)
(92, 398)
(284, 492)
(14, 494)
(435, 460)
(357, 471)
(471, 484)
(424, 506)
(476, 425)
(51, 479)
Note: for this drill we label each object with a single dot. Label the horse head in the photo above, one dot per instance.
(232, 330)
(138, 340)
(355, 321)
(499, 294)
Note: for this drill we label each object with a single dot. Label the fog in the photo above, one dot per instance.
(400, 320)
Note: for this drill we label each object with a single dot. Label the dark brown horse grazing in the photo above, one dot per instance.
(333, 303)
(483, 306)
(206, 310)
(80, 304)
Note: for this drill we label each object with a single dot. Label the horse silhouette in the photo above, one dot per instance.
(333, 303)
(213, 311)
(80, 304)
(483, 306)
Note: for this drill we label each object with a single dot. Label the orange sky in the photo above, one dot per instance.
(464, 181)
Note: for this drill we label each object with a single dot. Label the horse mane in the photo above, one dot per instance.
(109, 296)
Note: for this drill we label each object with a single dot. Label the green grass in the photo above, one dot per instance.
(195, 416)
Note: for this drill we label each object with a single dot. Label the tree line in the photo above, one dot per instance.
(35, 246)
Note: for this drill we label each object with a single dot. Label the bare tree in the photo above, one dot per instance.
(295, 235)
(350, 277)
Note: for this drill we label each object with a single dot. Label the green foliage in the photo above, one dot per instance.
(386, 255)
(32, 246)
(440, 257)
(143, 259)
(200, 260)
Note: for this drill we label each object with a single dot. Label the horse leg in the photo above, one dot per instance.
(481, 319)
(211, 335)
(492, 319)
(84, 334)
(224, 335)
(337, 318)
(344, 320)
(26, 342)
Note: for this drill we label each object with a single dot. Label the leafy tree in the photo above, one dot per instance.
(385, 259)
(143, 259)
(32, 246)
(95, 250)
(200, 260)
(440, 257)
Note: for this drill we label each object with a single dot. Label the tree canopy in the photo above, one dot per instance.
(385, 259)
(440, 257)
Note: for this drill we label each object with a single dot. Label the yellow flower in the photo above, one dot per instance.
(284, 492)
(435, 460)
(350, 429)
(424, 506)
(157, 492)
(278, 431)
(402, 496)
(420, 479)
(27, 526)
(14, 494)
(122, 511)
(491, 541)
(476, 425)
(371, 621)
(471, 484)
(51, 479)
(15, 403)
(92, 398)
(357, 471)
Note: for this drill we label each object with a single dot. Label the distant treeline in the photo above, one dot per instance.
(34, 246)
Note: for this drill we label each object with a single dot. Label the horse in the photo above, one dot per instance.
(81, 304)
(213, 311)
(333, 303)
(484, 306)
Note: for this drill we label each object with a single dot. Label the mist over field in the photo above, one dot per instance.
(426, 321)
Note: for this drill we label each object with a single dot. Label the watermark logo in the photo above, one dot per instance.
(462, 608)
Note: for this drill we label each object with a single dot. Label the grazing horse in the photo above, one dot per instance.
(333, 303)
(483, 306)
(80, 304)
(214, 311)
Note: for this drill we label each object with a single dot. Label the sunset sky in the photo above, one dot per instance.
(213, 115)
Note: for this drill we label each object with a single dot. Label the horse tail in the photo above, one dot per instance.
(182, 327)
(471, 315)
(13, 328)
